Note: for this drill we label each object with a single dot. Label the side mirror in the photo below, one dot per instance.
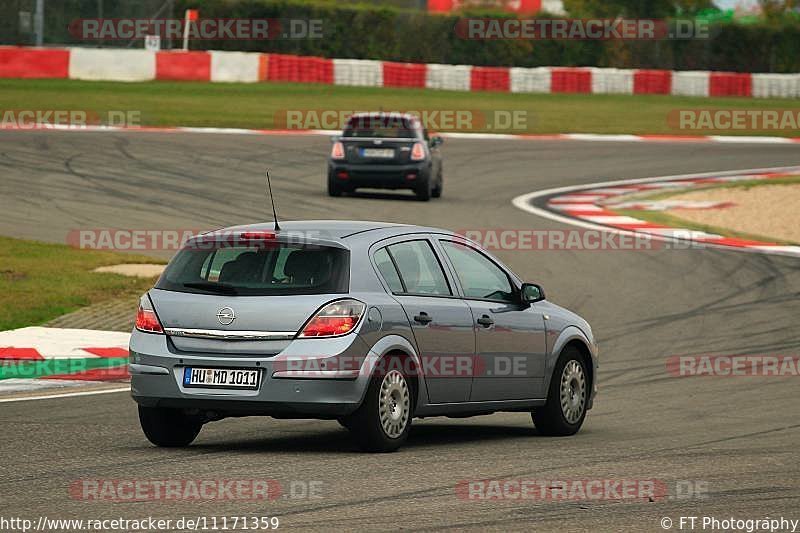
(436, 141)
(531, 293)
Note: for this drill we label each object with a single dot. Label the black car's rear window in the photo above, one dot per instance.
(381, 126)
(276, 269)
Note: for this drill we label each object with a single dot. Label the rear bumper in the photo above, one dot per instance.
(379, 176)
(157, 371)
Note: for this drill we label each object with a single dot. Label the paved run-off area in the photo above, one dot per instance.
(735, 436)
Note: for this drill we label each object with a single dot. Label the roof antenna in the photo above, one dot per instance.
(272, 199)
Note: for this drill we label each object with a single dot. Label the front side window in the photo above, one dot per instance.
(480, 278)
(417, 266)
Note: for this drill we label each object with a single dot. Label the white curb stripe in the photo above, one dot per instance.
(65, 395)
(585, 137)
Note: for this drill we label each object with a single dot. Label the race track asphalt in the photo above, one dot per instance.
(737, 437)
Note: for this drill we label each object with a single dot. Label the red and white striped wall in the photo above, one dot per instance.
(250, 67)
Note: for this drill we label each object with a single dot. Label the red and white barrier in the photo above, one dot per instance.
(448, 77)
(530, 80)
(358, 72)
(612, 81)
(250, 67)
(33, 63)
(776, 85)
(691, 83)
(111, 64)
(231, 67)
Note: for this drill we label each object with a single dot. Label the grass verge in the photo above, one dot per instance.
(257, 105)
(39, 282)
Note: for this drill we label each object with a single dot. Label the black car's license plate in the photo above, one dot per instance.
(224, 378)
(378, 153)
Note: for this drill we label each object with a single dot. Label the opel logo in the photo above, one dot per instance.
(226, 316)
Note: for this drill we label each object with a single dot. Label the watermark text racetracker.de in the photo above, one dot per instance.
(590, 29)
(558, 490)
(31, 119)
(432, 119)
(251, 29)
(696, 120)
(742, 365)
(185, 489)
(525, 239)
(173, 239)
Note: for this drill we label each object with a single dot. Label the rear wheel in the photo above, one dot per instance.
(423, 189)
(565, 410)
(383, 421)
(333, 188)
(168, 427)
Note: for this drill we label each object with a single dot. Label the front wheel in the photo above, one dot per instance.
(565, 410)
(169, 428)
(437, 190)
(383, 421)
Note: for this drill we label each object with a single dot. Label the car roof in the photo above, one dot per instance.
(384, 114)
(332, 230)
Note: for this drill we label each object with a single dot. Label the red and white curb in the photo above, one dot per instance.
(41, 352)
(587, 206)
(585, 137)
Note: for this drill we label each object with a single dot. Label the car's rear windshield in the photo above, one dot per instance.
(245, 270)
(380, 126)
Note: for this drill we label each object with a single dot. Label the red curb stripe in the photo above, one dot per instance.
(27, 354)
(107, 352)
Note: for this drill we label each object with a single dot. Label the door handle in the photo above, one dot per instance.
(423, 318)
(485, 321)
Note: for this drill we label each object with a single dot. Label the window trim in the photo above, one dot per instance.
(511, 281)
(426, 240)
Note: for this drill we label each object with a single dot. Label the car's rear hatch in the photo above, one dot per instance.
(380, 139)
(377, 151)
(246, 298)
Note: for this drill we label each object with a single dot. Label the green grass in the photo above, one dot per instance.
(256, 105)
(39, 282)
(659, 217)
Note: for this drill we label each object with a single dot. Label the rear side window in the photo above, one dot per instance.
(273, 269)
(387, 270)
(418, 268)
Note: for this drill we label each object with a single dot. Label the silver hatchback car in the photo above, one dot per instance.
(367, 323)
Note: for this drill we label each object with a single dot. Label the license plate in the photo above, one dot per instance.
(383, 153)
(224, 378)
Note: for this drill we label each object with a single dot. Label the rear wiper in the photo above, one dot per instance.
(212, 287)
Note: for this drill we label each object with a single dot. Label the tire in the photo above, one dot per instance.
(168, 428)
(571, 378)
(437, 190)
(423, 190)
(333, 187)
(389, 395)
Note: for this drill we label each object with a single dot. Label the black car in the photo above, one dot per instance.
(386, 151)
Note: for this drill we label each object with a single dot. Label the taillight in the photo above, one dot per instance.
(336, 318)
(337, 152)
(146, 319)
(418, 152)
